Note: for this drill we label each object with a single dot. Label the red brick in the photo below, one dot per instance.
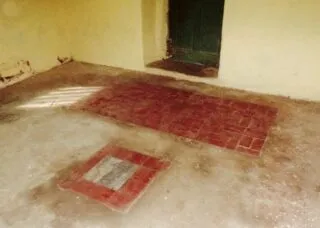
(217, 142)
(201, 100)
(272, 113)
(218, 139)
(186, 127)
(137, 158)
(122, 153)
(244, 122)
(106, 194)
(240, 105)
(255, 133)
(156, 164)
(232, 128)
(228, 102)
(246, 141)
(92, 190)
(119, 200)
(133, 187)
(178, 129)
(144, 174)
(210, 127)
(257, 144)
(232, 144)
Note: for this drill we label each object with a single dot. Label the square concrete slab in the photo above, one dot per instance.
(112, 172)
(115, 176)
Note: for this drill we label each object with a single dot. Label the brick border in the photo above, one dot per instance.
(122, 199)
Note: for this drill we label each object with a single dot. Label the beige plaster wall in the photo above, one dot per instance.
(33, 30)
(108, 32)
(268, 46)
(272, 46)
(155, 29)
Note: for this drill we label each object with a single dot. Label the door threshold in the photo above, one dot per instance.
(187, 68)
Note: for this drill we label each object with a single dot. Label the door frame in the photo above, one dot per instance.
(156, 41)
(206, 57)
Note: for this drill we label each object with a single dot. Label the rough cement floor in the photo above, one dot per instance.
(206, 186)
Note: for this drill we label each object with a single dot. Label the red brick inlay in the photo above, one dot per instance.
(123, 198)
(227, 123)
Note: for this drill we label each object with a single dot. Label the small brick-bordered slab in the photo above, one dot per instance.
(231, 124)
(123, 198)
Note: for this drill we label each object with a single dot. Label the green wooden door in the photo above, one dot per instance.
(195, 30)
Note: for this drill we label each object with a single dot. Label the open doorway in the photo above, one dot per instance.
(194, 37)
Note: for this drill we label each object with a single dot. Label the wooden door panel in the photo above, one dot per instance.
(183, 21)
(208, 31)
(195, 30)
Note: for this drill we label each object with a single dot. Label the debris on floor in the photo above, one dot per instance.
(63, 60)
(12, 71)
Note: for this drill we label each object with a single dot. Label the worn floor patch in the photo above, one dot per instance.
(226, 123)
(115, 177)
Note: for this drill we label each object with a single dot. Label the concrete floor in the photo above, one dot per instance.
(206, 186)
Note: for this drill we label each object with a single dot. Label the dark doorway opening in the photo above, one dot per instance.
(195, 29)
(194, 39)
